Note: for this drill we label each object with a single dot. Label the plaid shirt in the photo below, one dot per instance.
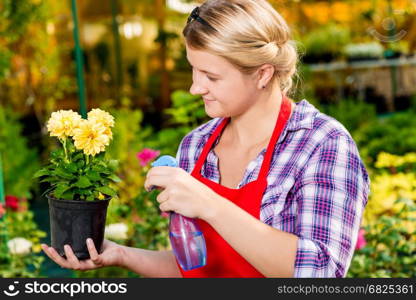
(317, 187)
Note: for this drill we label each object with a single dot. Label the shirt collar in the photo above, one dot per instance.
(302, 118)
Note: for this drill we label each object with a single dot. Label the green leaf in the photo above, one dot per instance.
(99, 168)
(107, 191)
(99, 156)
(60, 189)
(93, 175)
(113, 164)
(62, 173)
(56, 154)
(78, 156)
(49, 179)
(71, 167)
(115, 178)
(83, 182)
(69, 195)
(41, 172)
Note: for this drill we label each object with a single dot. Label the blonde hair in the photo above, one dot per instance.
(249, 34)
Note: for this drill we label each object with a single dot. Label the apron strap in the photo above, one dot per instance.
(284, 114)
(208, 145)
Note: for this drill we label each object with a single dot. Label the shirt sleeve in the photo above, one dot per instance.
(178, 152)
(331, 193)
(185, 156)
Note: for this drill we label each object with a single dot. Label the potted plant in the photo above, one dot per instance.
(80, 178)
(325, 44)
(363, 51)
(396, 49)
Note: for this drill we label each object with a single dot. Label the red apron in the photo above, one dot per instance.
(222, 259)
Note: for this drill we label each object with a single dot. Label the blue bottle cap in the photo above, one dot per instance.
(165, 161)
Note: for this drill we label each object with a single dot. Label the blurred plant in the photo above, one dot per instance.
(12, 202)
(151, 226)
(350, 113)
(392, 162)
(15, 18)
(128, 137)
(146, 155)
(360, 51)
(2, 210)
(394, 178)
(32, 68)
(389, 221)
(397, 49)
(116, 231)
(361, 241)
(185, 114)
(187, 109)
(325, 43)
(395, 134)
(19, 246)
(390, 249)
(19, 255)
(19, 161)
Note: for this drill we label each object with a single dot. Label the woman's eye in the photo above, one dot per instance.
(212, 79)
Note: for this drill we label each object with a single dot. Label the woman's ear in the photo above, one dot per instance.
(265, 75)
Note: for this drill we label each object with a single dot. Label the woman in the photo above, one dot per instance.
(279, 188)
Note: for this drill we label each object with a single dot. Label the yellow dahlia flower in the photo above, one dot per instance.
(101, 116)
(62, 123)
(90, 137)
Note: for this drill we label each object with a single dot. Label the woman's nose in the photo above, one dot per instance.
(197, 89)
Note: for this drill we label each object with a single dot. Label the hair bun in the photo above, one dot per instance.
(250, 33)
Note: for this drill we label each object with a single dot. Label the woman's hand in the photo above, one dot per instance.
(181, 193)
(111, 256)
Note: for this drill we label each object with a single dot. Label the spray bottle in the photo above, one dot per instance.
(186, 237)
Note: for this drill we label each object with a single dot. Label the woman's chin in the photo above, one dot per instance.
(214, 114)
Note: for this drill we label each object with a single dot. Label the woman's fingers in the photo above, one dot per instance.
(52, 254)
(155, 181)
(95, 257)
(87, 265)
(72, 259)
(164, 207)
(159, 177)
(162, 197)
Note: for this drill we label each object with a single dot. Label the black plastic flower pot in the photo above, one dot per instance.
(72, 222)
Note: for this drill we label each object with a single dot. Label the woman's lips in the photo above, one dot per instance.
(207, 100)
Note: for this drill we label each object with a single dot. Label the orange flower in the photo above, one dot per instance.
(2, 210)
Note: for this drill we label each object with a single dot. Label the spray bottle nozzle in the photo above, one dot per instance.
(165, 161)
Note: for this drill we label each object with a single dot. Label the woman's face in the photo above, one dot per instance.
(225, 90)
